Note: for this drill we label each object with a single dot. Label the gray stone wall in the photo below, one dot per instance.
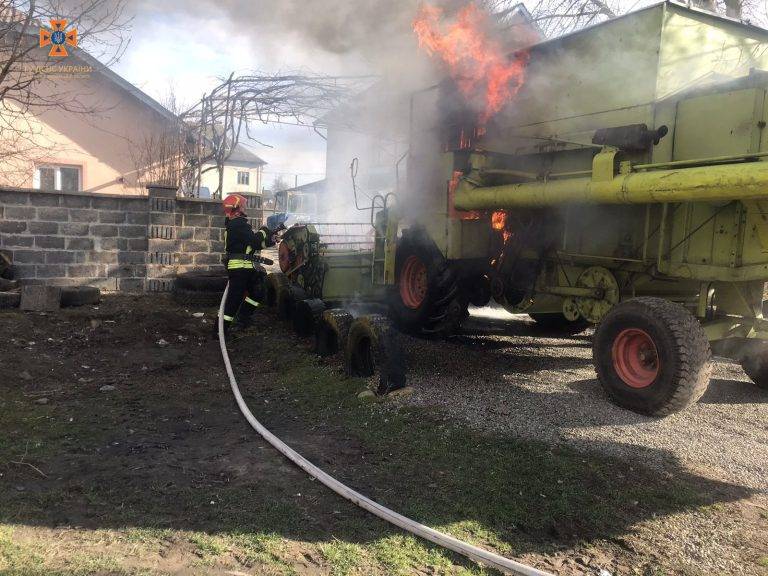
(129, 243)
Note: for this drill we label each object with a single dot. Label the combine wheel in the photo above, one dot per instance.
(276, 281)
(557, 323)
(332, 331)
(306, 315)
(374, 346)
(426, 298)
(652, 356)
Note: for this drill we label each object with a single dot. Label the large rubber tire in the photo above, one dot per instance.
(276, 282)
(9, 300)
(332, 331)
(202, 281)
(287, 298)
(80, 295)
(438, 308)
(373, 346)
(662, 352)
(196, 298)
(306, 315)
(557, 323)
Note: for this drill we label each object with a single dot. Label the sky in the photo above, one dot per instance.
(174, 49)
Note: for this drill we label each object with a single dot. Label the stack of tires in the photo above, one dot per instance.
(370, 344)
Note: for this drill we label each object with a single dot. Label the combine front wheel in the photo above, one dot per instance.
(426, 298)
(652, 356)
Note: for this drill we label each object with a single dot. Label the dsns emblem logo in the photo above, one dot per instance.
(57, 38)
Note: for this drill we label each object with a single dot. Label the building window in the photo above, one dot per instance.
(61, 178)
(243, 178)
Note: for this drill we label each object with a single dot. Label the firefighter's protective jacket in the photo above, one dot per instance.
(241, 242)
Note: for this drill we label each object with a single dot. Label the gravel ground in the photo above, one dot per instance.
(499, 375)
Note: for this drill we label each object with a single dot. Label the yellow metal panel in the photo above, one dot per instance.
(697, 49)
(721, 124)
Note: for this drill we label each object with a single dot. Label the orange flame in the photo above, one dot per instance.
(499, 222)
(476, 61)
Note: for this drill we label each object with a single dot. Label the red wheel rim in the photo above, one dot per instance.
(413, 282)
(635, 358)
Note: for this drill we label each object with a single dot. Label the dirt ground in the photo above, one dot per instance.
(122, 452)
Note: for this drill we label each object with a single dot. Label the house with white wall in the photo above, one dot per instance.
(243, 174)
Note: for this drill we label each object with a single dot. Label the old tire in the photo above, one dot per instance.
(652, 356)
(306, 314)
(210, 281)
(426, 298)
(557, 323)
(196, 298)
(276, 281)
(287, 298)
(373, 346)
(9, 300)
(332, 331)
(80, 295)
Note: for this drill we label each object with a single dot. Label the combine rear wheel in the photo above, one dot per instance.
(373, 346)
(652, 356)
(426, 298)
(557, 323)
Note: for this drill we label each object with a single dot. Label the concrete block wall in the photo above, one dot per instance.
(126, 243)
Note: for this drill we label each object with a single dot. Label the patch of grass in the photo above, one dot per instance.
(399, 554)
(14, 558)
(251, 549)
(147, 535)
(763, 562)
(343, 557)
(206, 546)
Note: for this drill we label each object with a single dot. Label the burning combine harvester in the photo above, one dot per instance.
(623, 184)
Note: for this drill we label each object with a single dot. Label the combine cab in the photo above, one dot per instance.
(626, 186)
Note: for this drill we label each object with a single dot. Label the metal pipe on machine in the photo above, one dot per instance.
(742, 181)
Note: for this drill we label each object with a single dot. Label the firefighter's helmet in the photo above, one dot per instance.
(234, 205)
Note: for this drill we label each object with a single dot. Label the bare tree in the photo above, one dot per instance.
(223, 118)
(166, 156)
(28, 73)
(279, 183)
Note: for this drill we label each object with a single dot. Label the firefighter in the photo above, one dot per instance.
(242, 244)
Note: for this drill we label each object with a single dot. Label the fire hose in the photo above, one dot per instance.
(479, 555)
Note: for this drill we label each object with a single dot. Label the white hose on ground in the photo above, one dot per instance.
(479, 555)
